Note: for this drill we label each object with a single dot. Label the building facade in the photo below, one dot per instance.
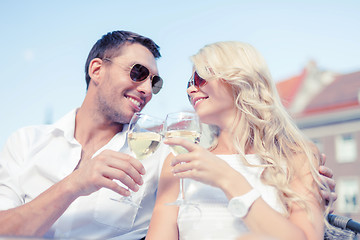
(326, 107)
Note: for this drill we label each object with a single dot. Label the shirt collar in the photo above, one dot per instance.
(66, 126)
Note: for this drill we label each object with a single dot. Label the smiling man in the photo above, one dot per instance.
(57, 181)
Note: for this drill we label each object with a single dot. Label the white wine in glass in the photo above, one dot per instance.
(143, 144)
(144, 137)
(192, 136)
(184, 125)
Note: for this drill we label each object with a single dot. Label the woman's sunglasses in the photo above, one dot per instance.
(196, 81)
(139, 73)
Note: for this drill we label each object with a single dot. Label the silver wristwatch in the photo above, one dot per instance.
(240, 206)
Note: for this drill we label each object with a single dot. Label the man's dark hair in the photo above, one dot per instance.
(110, 44)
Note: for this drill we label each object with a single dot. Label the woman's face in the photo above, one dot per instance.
(213, 102)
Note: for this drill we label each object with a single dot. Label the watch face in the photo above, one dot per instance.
(238, 208)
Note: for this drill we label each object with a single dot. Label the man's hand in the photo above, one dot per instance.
(327, 177)
(100, 171)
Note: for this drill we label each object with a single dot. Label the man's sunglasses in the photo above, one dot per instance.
(196, 81)
(139, 73)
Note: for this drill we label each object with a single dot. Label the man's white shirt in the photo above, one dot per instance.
(34, 158)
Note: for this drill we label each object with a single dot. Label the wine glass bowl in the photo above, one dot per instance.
(143, 144)
(144, 135)
(184, 125)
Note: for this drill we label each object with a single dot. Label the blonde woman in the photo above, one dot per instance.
(260, 178)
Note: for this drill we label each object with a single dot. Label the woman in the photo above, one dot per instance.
(261, 177)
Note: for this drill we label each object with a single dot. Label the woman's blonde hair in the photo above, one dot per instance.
(261, 123)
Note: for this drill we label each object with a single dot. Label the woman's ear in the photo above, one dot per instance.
(94, 70)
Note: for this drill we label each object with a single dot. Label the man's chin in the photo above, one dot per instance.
(128, 117)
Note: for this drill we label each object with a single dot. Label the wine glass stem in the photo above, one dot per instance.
(182, 189)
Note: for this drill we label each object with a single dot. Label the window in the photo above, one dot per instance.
(345, 148)
(348, 195)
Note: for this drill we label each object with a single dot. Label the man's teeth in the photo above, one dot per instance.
(137, 103)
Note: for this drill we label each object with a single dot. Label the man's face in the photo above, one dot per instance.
(118, 96)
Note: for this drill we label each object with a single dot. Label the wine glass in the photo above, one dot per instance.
(185, 125)
(144, 137)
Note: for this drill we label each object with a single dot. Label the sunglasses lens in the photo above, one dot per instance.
(139, 73)
(198, 81)
(157, 84)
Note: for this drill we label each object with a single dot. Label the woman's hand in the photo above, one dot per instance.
(201, 165)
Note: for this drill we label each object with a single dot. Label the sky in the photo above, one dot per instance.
(44, 45)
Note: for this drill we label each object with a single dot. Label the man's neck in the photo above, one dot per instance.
(92, 131)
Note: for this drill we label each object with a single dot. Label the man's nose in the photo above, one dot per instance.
(145, 87)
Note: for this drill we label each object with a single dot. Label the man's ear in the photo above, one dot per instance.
(94, 70)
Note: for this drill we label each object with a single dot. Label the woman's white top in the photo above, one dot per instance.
(208, 217)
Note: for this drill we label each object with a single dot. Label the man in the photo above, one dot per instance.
(45, 171)
(56, 181)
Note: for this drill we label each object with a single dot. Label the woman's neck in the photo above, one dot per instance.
(226, 146)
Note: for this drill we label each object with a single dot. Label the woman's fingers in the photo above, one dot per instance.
(188, 145)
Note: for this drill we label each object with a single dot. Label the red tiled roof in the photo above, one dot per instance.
(288, 89)
(341, 93)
